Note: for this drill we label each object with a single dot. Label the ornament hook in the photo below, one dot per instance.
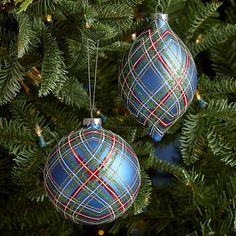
(159, 5)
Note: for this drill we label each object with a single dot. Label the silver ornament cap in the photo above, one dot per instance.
(92, 121)
(163, 16)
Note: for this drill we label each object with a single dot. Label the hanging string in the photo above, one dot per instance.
(159, 5)
(92, 97)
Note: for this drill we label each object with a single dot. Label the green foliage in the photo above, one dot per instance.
(62, 117)
(135, 27)
(25, 34)
(28, 167)
(220, 146)
(201, 13)
(223, 60)
(10, 76)
(216, 35)
(26, 114)
(193, 140)
(23, 4)
(14, 137)
(131, 3)
(121, 16)
(73, 93)
(53, 73)
(199, 198)
(220, 86)
(144, 194)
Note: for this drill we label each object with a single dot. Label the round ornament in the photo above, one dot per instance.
(158, 77)
(92, 175)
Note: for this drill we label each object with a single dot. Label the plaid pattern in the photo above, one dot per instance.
(92, 176)
(158, 78)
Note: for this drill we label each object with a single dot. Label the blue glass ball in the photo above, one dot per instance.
(92, 176)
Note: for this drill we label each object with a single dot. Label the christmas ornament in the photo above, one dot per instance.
(158, 77)
(92, 175)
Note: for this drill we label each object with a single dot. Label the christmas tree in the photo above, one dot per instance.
(44, 47)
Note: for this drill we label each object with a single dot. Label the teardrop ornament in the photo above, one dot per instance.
(158, 77)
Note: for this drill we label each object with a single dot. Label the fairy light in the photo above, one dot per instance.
(40, 139)
(198, 96)
(101, 232)
(38, 130)
(199, 39)
(134, 36)
(87, 25)
(49, 18)
(201, 102)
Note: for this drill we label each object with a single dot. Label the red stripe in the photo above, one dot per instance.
(152, 44)
(94, 174)
(95, 132)
(167, 95)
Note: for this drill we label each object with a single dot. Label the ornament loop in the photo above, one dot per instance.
(159, 5)
(92, 97)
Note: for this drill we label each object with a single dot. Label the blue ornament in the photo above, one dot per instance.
(158, 77)
(92, 175)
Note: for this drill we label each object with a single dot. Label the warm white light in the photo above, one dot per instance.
(134, 36)
(101, 232)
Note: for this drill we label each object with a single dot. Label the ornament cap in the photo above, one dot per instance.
(163, 16)
(92, 121)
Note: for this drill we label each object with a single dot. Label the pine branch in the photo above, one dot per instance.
(6, 44)
(28, 167)
(143, 149)
(193, 140)
(220, 147)
(62, 117)
(221, 86)
(222, 212)
(117, 15)
(190, 180)
(79, 51)
(221, 109)
(23, 4)
(135, 27)
(25, 35)
(14, 137)
(73, 93)
(25, 114)
(199, 16)
(144, 194)
(41, 8)
(223, 58)
(131, 3)
(216, 35)
(53, 73)
(10, 75)
(38, 194)
(44, 219)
